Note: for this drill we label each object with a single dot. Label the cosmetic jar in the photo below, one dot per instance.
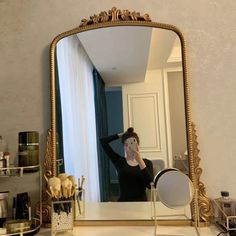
(28, 148)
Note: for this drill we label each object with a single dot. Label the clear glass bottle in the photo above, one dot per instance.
(226, 205)
(226, 202)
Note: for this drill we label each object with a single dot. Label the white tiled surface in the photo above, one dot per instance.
(135, 231)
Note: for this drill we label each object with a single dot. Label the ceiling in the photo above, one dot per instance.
(123, 54)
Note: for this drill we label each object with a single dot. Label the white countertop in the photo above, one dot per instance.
(130, 211)
(135, 231)
(135, 211)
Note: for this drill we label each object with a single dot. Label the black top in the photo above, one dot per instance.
(132, 180)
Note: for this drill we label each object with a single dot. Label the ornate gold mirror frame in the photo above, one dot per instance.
(116, 17)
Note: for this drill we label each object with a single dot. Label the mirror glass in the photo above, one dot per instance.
(112, 78)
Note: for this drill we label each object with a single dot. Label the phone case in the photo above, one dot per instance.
(132, 144)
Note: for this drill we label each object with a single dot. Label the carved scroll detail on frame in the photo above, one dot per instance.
(46, 207)
(114, 15)
(48, 167)
(204, 203)
(48, 161)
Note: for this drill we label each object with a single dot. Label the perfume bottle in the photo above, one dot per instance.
(227, 206)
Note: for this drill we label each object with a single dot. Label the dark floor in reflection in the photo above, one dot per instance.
(114, 192)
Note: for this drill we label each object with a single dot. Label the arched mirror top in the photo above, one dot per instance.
(116, 17)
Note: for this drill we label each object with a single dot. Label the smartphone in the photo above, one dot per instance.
(132, 144)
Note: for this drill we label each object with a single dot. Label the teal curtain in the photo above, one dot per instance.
(60, 153)
(102, 131)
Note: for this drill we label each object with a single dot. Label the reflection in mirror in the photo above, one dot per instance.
(110, 79)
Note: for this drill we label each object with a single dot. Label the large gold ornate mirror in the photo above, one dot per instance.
(119, 69)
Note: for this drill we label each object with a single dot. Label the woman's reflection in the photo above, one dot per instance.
(134, 173)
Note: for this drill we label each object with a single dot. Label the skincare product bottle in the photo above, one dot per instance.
(3, 150)
(226, 205)
(3, 144)
(2, 163)
(29, 209)
(7, 158)
(14, 208)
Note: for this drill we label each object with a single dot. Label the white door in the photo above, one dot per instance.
(143, 109)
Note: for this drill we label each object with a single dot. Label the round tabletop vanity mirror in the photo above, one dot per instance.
(174, 188)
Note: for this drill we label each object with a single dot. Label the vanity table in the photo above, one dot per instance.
(135, 231)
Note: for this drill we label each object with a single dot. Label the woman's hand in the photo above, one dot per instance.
(136, 154)
(120, 135)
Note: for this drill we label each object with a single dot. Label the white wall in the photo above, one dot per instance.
(28, 26)
(177, 112)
